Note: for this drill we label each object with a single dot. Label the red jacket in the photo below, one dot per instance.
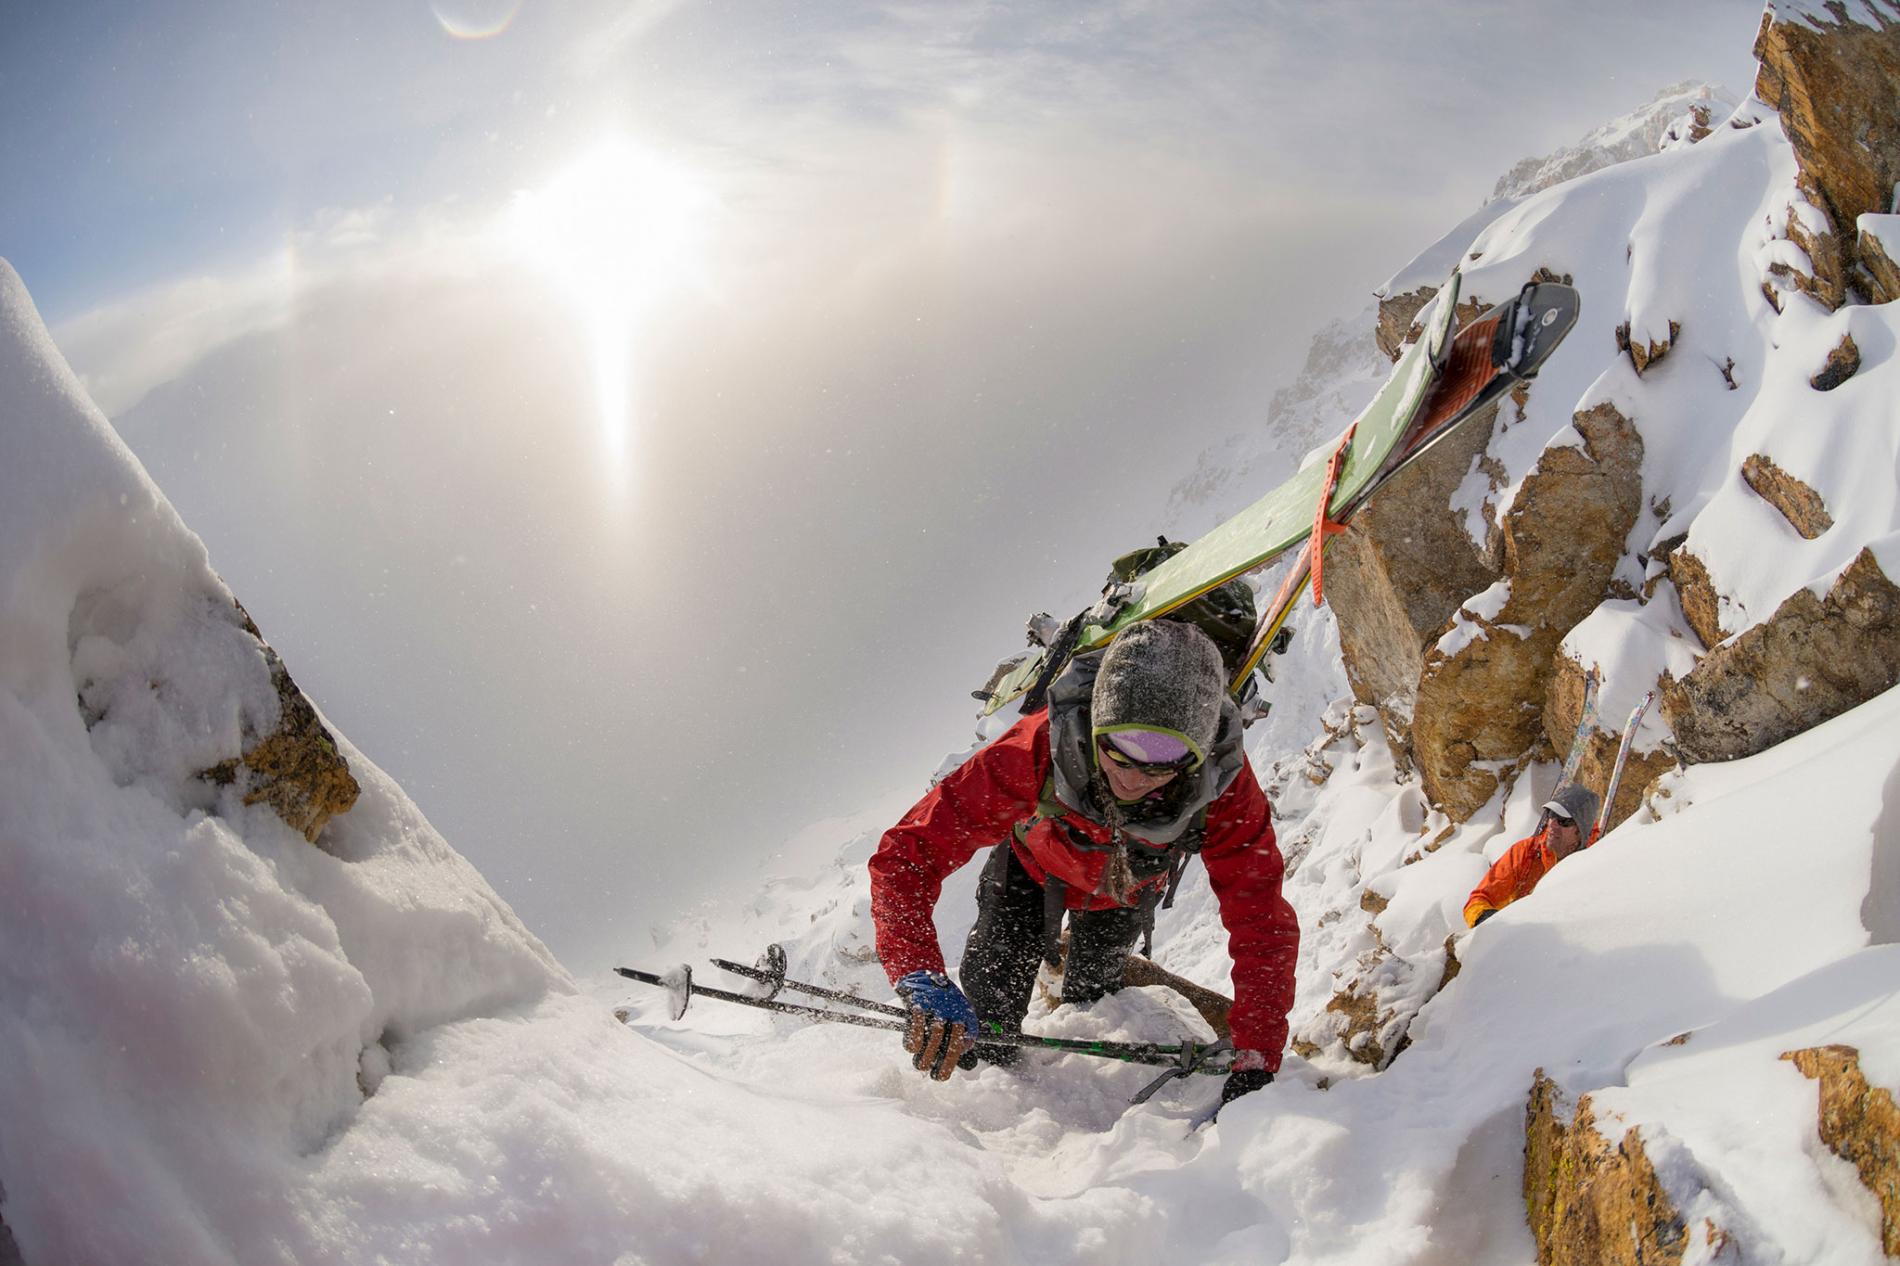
(978, 804)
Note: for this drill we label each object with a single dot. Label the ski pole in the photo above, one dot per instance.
(681, 986)
(683, 983)
(774, 975)
(778, 981)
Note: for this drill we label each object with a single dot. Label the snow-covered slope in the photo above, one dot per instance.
(226, 1045)
(1670, 121)
(1746, 909)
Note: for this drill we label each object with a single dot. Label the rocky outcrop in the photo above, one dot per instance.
(1400, 571)
(1591, 1201)
(1799, 504)
(1481, 695)
(1859, 1124)
(1695, 590)
(1878, 250)
(296, 768)
(1812, 660)
(1842, 363)
(1362, 1019)
(1822, 270)
(1398, 319)
(1681, 114)
(1833, 74)
(1643, 351)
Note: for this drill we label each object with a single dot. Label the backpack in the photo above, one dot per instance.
(1226, 613)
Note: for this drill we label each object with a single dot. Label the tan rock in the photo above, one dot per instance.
(1812, 660)
(1364, 1030)
(296, 768)
(1799, 504)
(1859, 1124)
(1591, 1202)
(1467, 727)
(1452, 965)
(1400, 571)
(1481, 707)
(1695, 590)
(1699, 124)
(1842, 363)
(1880, 271)
(1646, 352)
(1836, 85)
(1810, 228)
(1398, 319)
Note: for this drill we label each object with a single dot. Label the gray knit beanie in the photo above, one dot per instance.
(1165, 675)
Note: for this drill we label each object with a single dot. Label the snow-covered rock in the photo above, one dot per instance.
(196, 1003)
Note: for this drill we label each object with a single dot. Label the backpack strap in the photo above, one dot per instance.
(1055, 901)
(1055, 892)
(1192, 841)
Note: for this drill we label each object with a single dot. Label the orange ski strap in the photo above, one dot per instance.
(1323, 526)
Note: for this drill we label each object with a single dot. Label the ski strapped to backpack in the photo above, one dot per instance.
(1440, 382)
(1182, 1059)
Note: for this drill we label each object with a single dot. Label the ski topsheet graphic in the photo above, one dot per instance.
(1439, 382)
(1580, 741)
(1622, 758)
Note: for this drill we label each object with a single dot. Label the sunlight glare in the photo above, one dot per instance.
(617, 232)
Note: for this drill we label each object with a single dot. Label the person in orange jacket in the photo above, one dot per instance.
(1560, 832)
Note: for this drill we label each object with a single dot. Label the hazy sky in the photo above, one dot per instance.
(639, 426)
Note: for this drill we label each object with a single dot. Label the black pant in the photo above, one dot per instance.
(1010, 938)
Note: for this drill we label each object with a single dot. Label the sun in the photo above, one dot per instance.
(619, 232)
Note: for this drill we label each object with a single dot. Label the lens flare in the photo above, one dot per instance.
(475, 19)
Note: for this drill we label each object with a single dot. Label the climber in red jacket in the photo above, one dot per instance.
(1559, 833)
(1097, 804)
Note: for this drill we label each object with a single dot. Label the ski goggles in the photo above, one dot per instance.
(1152, 752)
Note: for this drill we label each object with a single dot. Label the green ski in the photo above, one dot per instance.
(1439, 383)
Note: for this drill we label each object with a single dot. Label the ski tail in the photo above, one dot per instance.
(1586, 725)
(1622, 759)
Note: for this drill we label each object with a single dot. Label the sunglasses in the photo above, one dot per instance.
(1154, 769)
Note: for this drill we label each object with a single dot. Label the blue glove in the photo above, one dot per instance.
(943, 1024)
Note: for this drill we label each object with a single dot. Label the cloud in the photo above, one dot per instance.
(128, 346)
(125, 348)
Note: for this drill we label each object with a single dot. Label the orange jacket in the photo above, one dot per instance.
(1513, 875)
